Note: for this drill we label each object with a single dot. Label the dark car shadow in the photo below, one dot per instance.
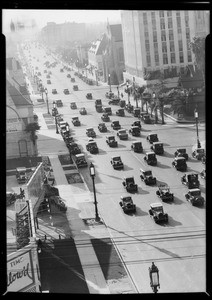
(160, 183)
(121, 146)
(167, 154)
(102, 152)
(177, 201)
(144, 130)
(172, 222)
(165, 144)
(160, 165)
(142, 191)
(126, 168)
(140, 212)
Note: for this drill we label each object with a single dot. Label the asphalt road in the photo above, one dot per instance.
(177, 248)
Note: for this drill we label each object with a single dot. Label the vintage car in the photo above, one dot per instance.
(115, 125)
(181, 152)
(73, 148)
(114, 100)
(191, 180)
(137, 146)
(122, 134)
(135, 131)
(120, 112)
(72, 79)
(61, 70)
(129, 184)
(129, 107)
(75, 87)
(48, 81)
(116, 162)
(102, 127)
(147, 177)
(68, 75)
(80, 160)
(122, 103)
(203, 159)
(150, 158)
(108, 110)
(89, 96)
(179, 164)
(194, 197)
(92, 147)
(136, 112)
(73, 105)
(68, 140)
(157, 147)
(146, 118)
(83, 111)
(54, 111)
(48, 76)
(90, 132)
(157, 213)
(136, 123)
(66, 91)
(164, 193)
(54, 91)
(111, 141)
(21, 175)
(62, 124)
(203, 174)
(98, 105)
(127, 204)
(152, 138)
(198, 153)
(105, 117)
(57, 201)
(109, 95)
(76, 121)
(59, 103)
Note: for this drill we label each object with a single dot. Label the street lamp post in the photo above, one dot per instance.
(86, 70)
(47, 100)
(154, 277)
(109, 82)
(128, 94)
(196, 118)
(96, 77)
(57, 131)
(92, 174)
(118, 90)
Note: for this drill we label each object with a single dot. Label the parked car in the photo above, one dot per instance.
(72, 79)
(129, 184)
(75, 87)
(21, 175)
(83, 111)
(198, 153)
(135, 131)
(74, 148)
(157, 147)
(76, 121)
(54, 111)
(110, 140)
(109, 95)
(61, 70)
(203, 174)
(136, 112)
(92, 147)
(122, 134)
(127, 204)
(152, 137)
(181, 152)
(150, 158)
(147, 177)
(66, 91)
(137, 123)
(107, 110)
(115, 125)
(137, 146)
(68, 75)
(59, 103)
(90, 132)
(54, 91)
(48, 76)
(116, 162)
(89, 96)
(98, 105)
(194, 197)
(129, 108)
(146, 118)
(164, 193)
(120, 112)
(80, 160)
(48, 81)
(191, 180)
(102, 127)
(179, 163)
(114, 100)
(157, 213)
(122, 103)
(62, 124)
(73, 105)
(105, 117)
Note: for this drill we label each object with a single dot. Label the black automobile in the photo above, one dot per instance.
(136, 112)
(107, 110)
(111, 141)
(89, 96)
(198, 153)
(92, 147)
(129, 184)
(164, 193)
(76, 121)
(73, 148)
(48, 81)
(127, 205)
(135, 131)
(102, 127)
(75, 87)
(80, 160)
(59, 103)
(157, 213)
(152, 138)
(98, 105)
(109, 95)
(83, 111)
(147, 177)
(194, 197)
(66, 91)
(90, 132)
(54, 111)
(150, 158)
(137, 146)
(157, 147)
(181, 152)
(137, 123)
(72, 79)
(179, 164)
(105, 117)
(73, 105)
(115, 125)
(114, 101)
(120, 112)
(146, 119)
(191, 180)
(54, 91)
(116, 162)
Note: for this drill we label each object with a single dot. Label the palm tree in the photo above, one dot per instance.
(32, 128)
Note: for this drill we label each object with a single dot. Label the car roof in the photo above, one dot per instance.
(151, 134)
(156, 204)
(134, 126)
(80, 155)
(157, 143)
(135, 142)
(151, 152)
(180, 158)
(144, 170)
(194, 190)
(89, 128)
(21, 169)
(110, 136)
(115, 157)
(121, 130)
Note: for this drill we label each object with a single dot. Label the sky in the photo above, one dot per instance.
(41, 17)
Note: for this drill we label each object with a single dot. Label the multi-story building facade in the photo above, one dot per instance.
(158, 41)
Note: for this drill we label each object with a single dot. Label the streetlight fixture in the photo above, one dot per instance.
(196, 115)
(154, 277)
(92, 174)
(96, 76)
(86, 70)
(109, 82)
(54, 106)
(128, 94)
(47, 100)
(118, 90)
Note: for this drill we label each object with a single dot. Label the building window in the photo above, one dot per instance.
(170, 24)
(187, 33)
(179, 30)
(169, 13)
(156, 46)
(171, 35)
(146, 34)
(186, 21)
(173, 59)
(165, 59)
(182, 70)
(154, 24)
(172, 49)
(189, 56)
(177, 13)
(162, 24)
(156, 58)
(178, 22)
(161, 14)
(164, 47)
(180, 44)
(155, 36)
(163, 35)
(147, 46)
(145, 19)
(188, 44)
(148, 60)
(181, 57)
(153, 14)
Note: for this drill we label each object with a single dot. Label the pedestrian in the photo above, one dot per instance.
(122, 95)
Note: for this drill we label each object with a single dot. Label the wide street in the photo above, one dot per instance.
(177, 248)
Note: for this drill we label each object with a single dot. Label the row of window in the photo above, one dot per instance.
(163, 34)
(165, 58)
(162, 21)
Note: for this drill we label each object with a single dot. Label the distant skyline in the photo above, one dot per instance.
(42, 16)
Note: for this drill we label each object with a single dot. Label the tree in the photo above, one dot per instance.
(32, 128)
(198, 49)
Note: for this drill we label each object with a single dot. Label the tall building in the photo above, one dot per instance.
(158, 41)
